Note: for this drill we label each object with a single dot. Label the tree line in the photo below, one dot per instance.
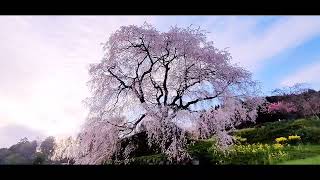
(29, 152)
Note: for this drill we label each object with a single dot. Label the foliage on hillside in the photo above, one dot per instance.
(308, 129)
(25, 152)
(304, 100)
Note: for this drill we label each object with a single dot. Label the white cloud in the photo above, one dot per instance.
(43, 68)
(308, 74)
(12, 133)
(251, 46)
(284, 34)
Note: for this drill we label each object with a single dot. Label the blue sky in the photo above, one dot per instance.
(44, 60)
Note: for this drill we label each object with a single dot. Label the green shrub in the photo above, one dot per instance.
(15, 158)
(310, 135)
(40, 158)
(240, 140)
(156, 159)
(200, 150)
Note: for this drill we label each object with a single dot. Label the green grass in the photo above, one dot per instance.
(307, 161)
(304, 154)
(304, 151)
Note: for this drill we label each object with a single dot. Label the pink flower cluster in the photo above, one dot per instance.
(282, 107)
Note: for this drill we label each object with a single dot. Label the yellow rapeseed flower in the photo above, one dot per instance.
(278, 146)
(281, 140)
(294, 137)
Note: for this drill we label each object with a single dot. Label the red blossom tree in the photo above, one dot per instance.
(281, 107)
(304, 101)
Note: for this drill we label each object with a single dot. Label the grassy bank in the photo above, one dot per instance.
(260, 147)
(308, 129)
(315, 160)
(304, 154)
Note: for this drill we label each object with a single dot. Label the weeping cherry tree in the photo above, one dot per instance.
(155, 82)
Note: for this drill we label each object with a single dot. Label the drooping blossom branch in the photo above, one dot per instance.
(156, 80)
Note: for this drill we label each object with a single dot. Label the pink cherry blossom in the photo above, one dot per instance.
(162, 77)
